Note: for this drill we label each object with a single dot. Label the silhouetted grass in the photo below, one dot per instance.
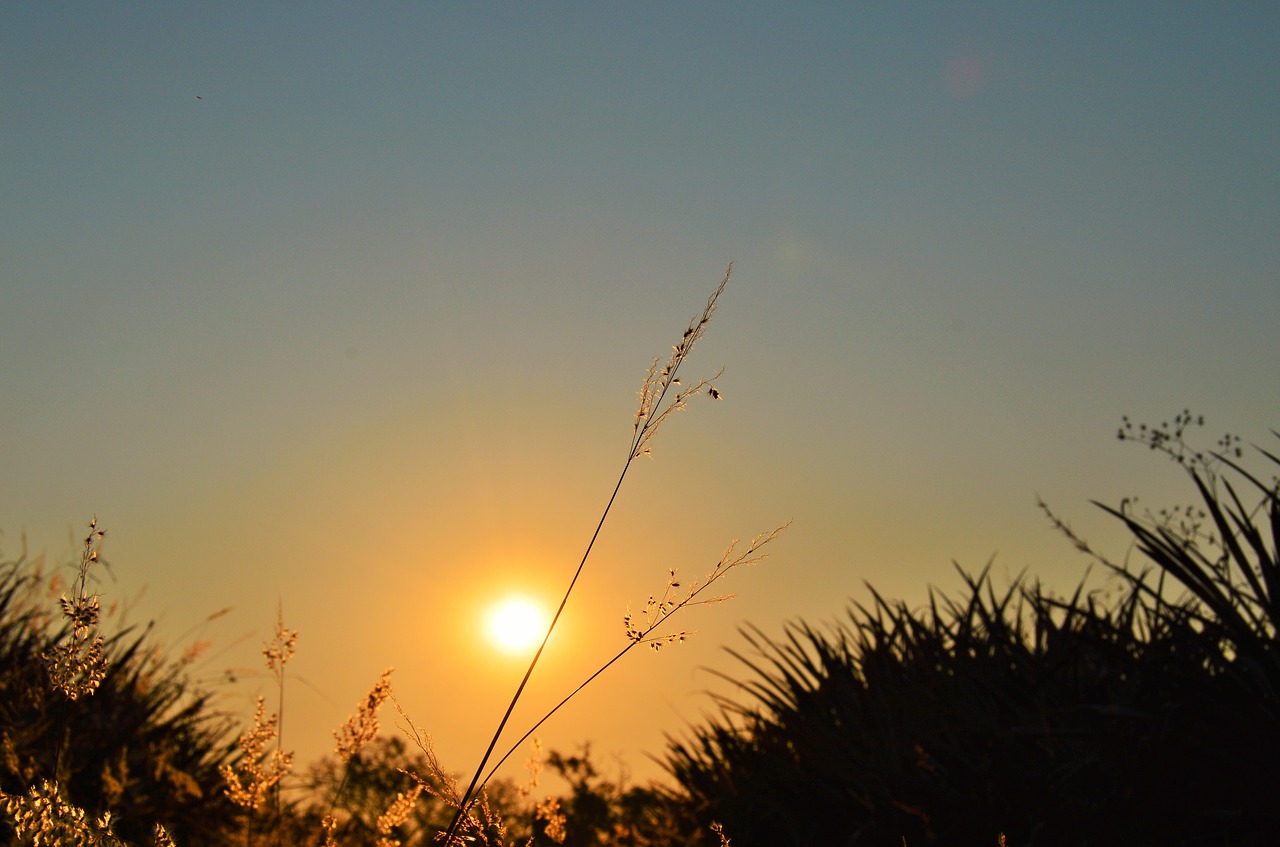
(144, 745)
(1151, 719)
(103, 737)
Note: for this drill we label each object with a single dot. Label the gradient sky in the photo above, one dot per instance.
(345, 307)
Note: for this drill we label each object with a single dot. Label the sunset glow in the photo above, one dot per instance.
(347, 310)
(515, 624)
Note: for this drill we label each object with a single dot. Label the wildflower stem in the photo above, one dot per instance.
(649, 417)
(467, 797)
(749, 556)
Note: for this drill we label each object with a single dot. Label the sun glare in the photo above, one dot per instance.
(515, 624)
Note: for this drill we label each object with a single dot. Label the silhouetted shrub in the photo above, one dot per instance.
(1151, 719)
(144, 745)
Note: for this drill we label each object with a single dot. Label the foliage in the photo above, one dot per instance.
(595, 811)
(358, 791)
(1152, 718)
(164, 756)
(143, 744)
(600, 811)
(1223, 552)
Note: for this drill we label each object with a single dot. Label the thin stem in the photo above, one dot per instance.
(279, 749)
(465, 800)
(554, 709)
(648, 419)
(748, 556)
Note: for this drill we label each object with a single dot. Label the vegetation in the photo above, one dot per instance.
(1152, 719)
(244, 784)
(1007, 715)
(100, 725)
(663, 394)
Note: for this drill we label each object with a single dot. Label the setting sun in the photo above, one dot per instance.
(515, 624)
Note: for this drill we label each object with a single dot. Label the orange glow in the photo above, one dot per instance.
(515, 624)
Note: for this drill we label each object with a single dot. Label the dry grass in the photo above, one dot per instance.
(53, 695)
(662, 394)
(252, 779)
(77, 665)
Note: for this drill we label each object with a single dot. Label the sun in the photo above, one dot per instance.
(515, 624)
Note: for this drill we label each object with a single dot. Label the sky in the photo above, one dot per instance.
(342, 310)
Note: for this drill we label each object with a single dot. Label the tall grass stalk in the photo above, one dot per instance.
(102, 741)
(257, 775)
(662, 611)
(654, 410)
(277, 653)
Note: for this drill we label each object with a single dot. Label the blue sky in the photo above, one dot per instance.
(345, 307)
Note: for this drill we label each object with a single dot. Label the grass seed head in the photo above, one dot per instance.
(251, 778)
(362, 727)
(280, 649)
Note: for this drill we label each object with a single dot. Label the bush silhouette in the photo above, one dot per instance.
(1153, 718)
(145, 745)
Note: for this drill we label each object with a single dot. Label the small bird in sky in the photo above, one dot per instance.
(198, 97)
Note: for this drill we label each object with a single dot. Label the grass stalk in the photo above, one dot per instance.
(650, 416)
(645, 635)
